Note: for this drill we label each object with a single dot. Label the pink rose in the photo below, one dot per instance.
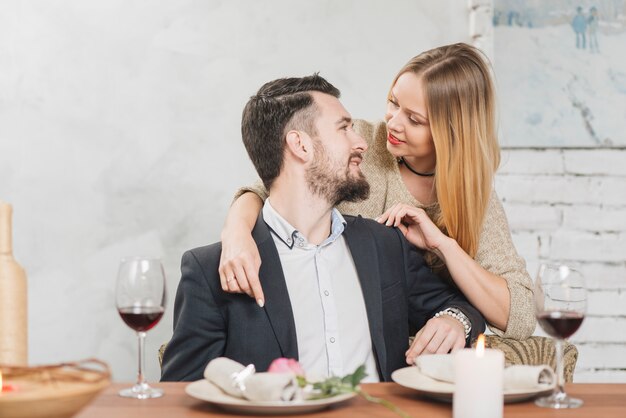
(286, 365)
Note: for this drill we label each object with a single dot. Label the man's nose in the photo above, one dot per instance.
(359, 143)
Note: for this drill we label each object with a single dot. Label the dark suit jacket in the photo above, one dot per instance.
(400, 293)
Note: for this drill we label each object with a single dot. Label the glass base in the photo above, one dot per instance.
(559, 401)
(141, 391)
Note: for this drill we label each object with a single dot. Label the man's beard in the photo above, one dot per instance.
(335, 184)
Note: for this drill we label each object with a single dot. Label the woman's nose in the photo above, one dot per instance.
(393, 121)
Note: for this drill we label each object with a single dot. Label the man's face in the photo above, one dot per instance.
(335, 171)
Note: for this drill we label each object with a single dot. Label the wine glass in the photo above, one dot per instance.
(560, 304)
(140, 300)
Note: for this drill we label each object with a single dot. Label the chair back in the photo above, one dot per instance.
(535, 351)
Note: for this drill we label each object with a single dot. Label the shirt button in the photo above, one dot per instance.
(326, 292)
(332, 339)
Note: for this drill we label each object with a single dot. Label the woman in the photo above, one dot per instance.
(432, 162)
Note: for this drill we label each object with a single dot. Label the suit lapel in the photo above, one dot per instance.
(365, 256)
(277, 303)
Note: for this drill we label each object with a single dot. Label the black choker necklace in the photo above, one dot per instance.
(414, 171)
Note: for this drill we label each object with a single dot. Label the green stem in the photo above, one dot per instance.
(383, 402)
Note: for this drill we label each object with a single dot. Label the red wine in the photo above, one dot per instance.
(141, 319)
(560, 324)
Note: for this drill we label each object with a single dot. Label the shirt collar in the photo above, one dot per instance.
(290, 235)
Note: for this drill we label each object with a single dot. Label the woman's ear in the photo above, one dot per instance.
(299, 145)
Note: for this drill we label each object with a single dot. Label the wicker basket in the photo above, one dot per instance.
(54, 391)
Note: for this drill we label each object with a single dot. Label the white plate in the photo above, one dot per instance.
(207, 391)
(412, 378)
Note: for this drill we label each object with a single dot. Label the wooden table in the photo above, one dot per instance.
(601, 401)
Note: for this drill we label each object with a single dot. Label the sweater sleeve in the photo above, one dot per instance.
(257, 188)
(497, 254)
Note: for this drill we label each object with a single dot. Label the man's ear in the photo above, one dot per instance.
(299, 144)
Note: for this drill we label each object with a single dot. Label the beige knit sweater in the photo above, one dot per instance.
(496, 252)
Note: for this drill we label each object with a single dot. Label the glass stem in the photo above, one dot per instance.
(558, 346)
(141, 379)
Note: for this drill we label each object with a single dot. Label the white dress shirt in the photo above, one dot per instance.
(326, 299)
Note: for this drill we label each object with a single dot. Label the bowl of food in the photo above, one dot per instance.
(51, 391)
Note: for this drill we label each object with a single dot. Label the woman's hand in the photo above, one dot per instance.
(240, 263)
(240, 260)
(439, 336)
(416, 226)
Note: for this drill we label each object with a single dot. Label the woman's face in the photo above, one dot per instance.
(408, 127)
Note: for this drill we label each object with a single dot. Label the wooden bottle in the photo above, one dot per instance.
(13, 303)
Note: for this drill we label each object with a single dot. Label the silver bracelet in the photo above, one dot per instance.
(457, 314)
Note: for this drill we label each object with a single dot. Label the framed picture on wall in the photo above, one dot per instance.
(560, 67)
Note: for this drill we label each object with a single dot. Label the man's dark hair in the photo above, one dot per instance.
(278, 107)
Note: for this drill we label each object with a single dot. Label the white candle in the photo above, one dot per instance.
(478, 383)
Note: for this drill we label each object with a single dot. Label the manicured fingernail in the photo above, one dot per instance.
(260, 302)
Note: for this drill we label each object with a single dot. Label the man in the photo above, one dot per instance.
(340, 292)
(593, 22)
(579, 23)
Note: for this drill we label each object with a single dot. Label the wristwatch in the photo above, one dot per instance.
(457, 314)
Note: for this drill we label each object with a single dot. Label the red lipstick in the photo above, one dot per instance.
(393, 140)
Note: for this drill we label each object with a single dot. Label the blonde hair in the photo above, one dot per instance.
(460, 101)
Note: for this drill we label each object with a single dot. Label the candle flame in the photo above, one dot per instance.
(480, 345)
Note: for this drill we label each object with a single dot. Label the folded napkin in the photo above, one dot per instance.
(242, 382)
(441, 367)
(437, 366)
(527, 377)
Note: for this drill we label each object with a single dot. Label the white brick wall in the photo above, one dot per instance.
(571, 205)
